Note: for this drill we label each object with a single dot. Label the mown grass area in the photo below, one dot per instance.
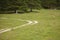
(48, 27)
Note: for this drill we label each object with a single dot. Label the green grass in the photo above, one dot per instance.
(48, 27)
(10, 22)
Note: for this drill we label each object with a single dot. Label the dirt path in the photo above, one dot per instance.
(10, 29)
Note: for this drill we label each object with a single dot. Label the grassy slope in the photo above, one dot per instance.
(48, 27)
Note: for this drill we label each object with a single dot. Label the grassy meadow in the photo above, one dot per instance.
(48, 27)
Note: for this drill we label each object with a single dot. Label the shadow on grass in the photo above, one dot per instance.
(32, 12)
(11, 13)
(18, 12)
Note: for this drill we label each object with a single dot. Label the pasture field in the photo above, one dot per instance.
(47, 28)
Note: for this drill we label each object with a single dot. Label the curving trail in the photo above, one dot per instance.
(10, 29)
